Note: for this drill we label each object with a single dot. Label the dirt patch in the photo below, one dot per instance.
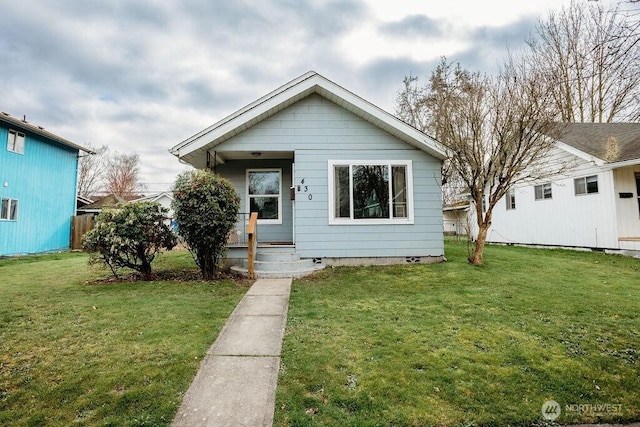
(178, 276)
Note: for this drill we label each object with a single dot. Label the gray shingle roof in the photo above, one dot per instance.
(591, 138)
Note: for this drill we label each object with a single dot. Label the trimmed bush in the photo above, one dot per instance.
(206, 210)
(130, 237)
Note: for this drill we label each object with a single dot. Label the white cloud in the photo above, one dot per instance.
(143, 75)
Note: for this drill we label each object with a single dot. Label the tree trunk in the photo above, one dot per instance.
(145, 270)
(476, 258)
(208, 267)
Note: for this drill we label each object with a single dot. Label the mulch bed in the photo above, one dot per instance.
(178, 276)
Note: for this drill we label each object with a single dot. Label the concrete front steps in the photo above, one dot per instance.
(276, 262)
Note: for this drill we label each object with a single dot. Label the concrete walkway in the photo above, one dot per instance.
(236, 382)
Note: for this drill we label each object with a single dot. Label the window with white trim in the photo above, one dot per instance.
(264, 194)
(511, 199)
(9, 209)
(370, 192)
(15, 141)
(543, 191)
(586, 185)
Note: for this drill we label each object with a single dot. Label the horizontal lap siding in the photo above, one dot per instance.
(317, 131)
(235, 172)
(315, 237)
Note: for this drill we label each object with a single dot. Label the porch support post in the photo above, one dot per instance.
(252, 233)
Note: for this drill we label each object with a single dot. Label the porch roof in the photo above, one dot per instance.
(193, 149)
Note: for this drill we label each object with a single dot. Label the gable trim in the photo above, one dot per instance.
(579, 153)
(293, 92)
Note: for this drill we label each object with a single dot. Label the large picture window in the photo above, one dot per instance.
(264, 194)
(370, 192)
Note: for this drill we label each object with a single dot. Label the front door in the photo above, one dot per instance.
(638, 191)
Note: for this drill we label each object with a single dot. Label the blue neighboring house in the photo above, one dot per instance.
(38, 180)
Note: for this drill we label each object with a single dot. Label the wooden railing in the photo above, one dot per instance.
(252, 234)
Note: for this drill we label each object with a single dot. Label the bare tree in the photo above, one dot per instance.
(122, 176)
(591, 55)
(497, 131)
(91, 170)
(414, 105)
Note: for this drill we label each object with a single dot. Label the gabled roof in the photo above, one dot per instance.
(23, 125)
(309, 83)
(154, 197)
(83, 201)
(591, 139)
(109, 201)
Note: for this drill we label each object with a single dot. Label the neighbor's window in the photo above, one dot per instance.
(9, 209)
(543, 191)
(265, 194)
(15, 141)
(586, 185)
(370, 192)
(511, 199)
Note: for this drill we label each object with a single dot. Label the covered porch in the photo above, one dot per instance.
(627, 196)
(247, 256)
(263, 181)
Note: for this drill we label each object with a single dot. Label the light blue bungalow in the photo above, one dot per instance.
(38, 173)
(334, 178)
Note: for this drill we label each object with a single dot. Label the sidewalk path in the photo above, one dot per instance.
(236, 382)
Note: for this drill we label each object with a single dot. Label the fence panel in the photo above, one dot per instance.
(80, 224)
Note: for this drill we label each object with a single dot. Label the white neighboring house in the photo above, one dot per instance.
(457, 217)
(595, 205)
(164, 199)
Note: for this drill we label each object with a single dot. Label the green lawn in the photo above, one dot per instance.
(447, 344)
(109, 355)
(457, 345)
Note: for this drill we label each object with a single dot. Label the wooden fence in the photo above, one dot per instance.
(80, 224)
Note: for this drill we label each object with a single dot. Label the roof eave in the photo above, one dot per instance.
(621, 164)
(292, 92)
(38, 130)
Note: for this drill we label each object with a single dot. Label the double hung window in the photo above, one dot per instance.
(15, 141)
(511, 199)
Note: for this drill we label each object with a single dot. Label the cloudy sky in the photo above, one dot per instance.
(143, 75)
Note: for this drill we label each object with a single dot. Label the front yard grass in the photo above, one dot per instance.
(114, 354)
(457, 345)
